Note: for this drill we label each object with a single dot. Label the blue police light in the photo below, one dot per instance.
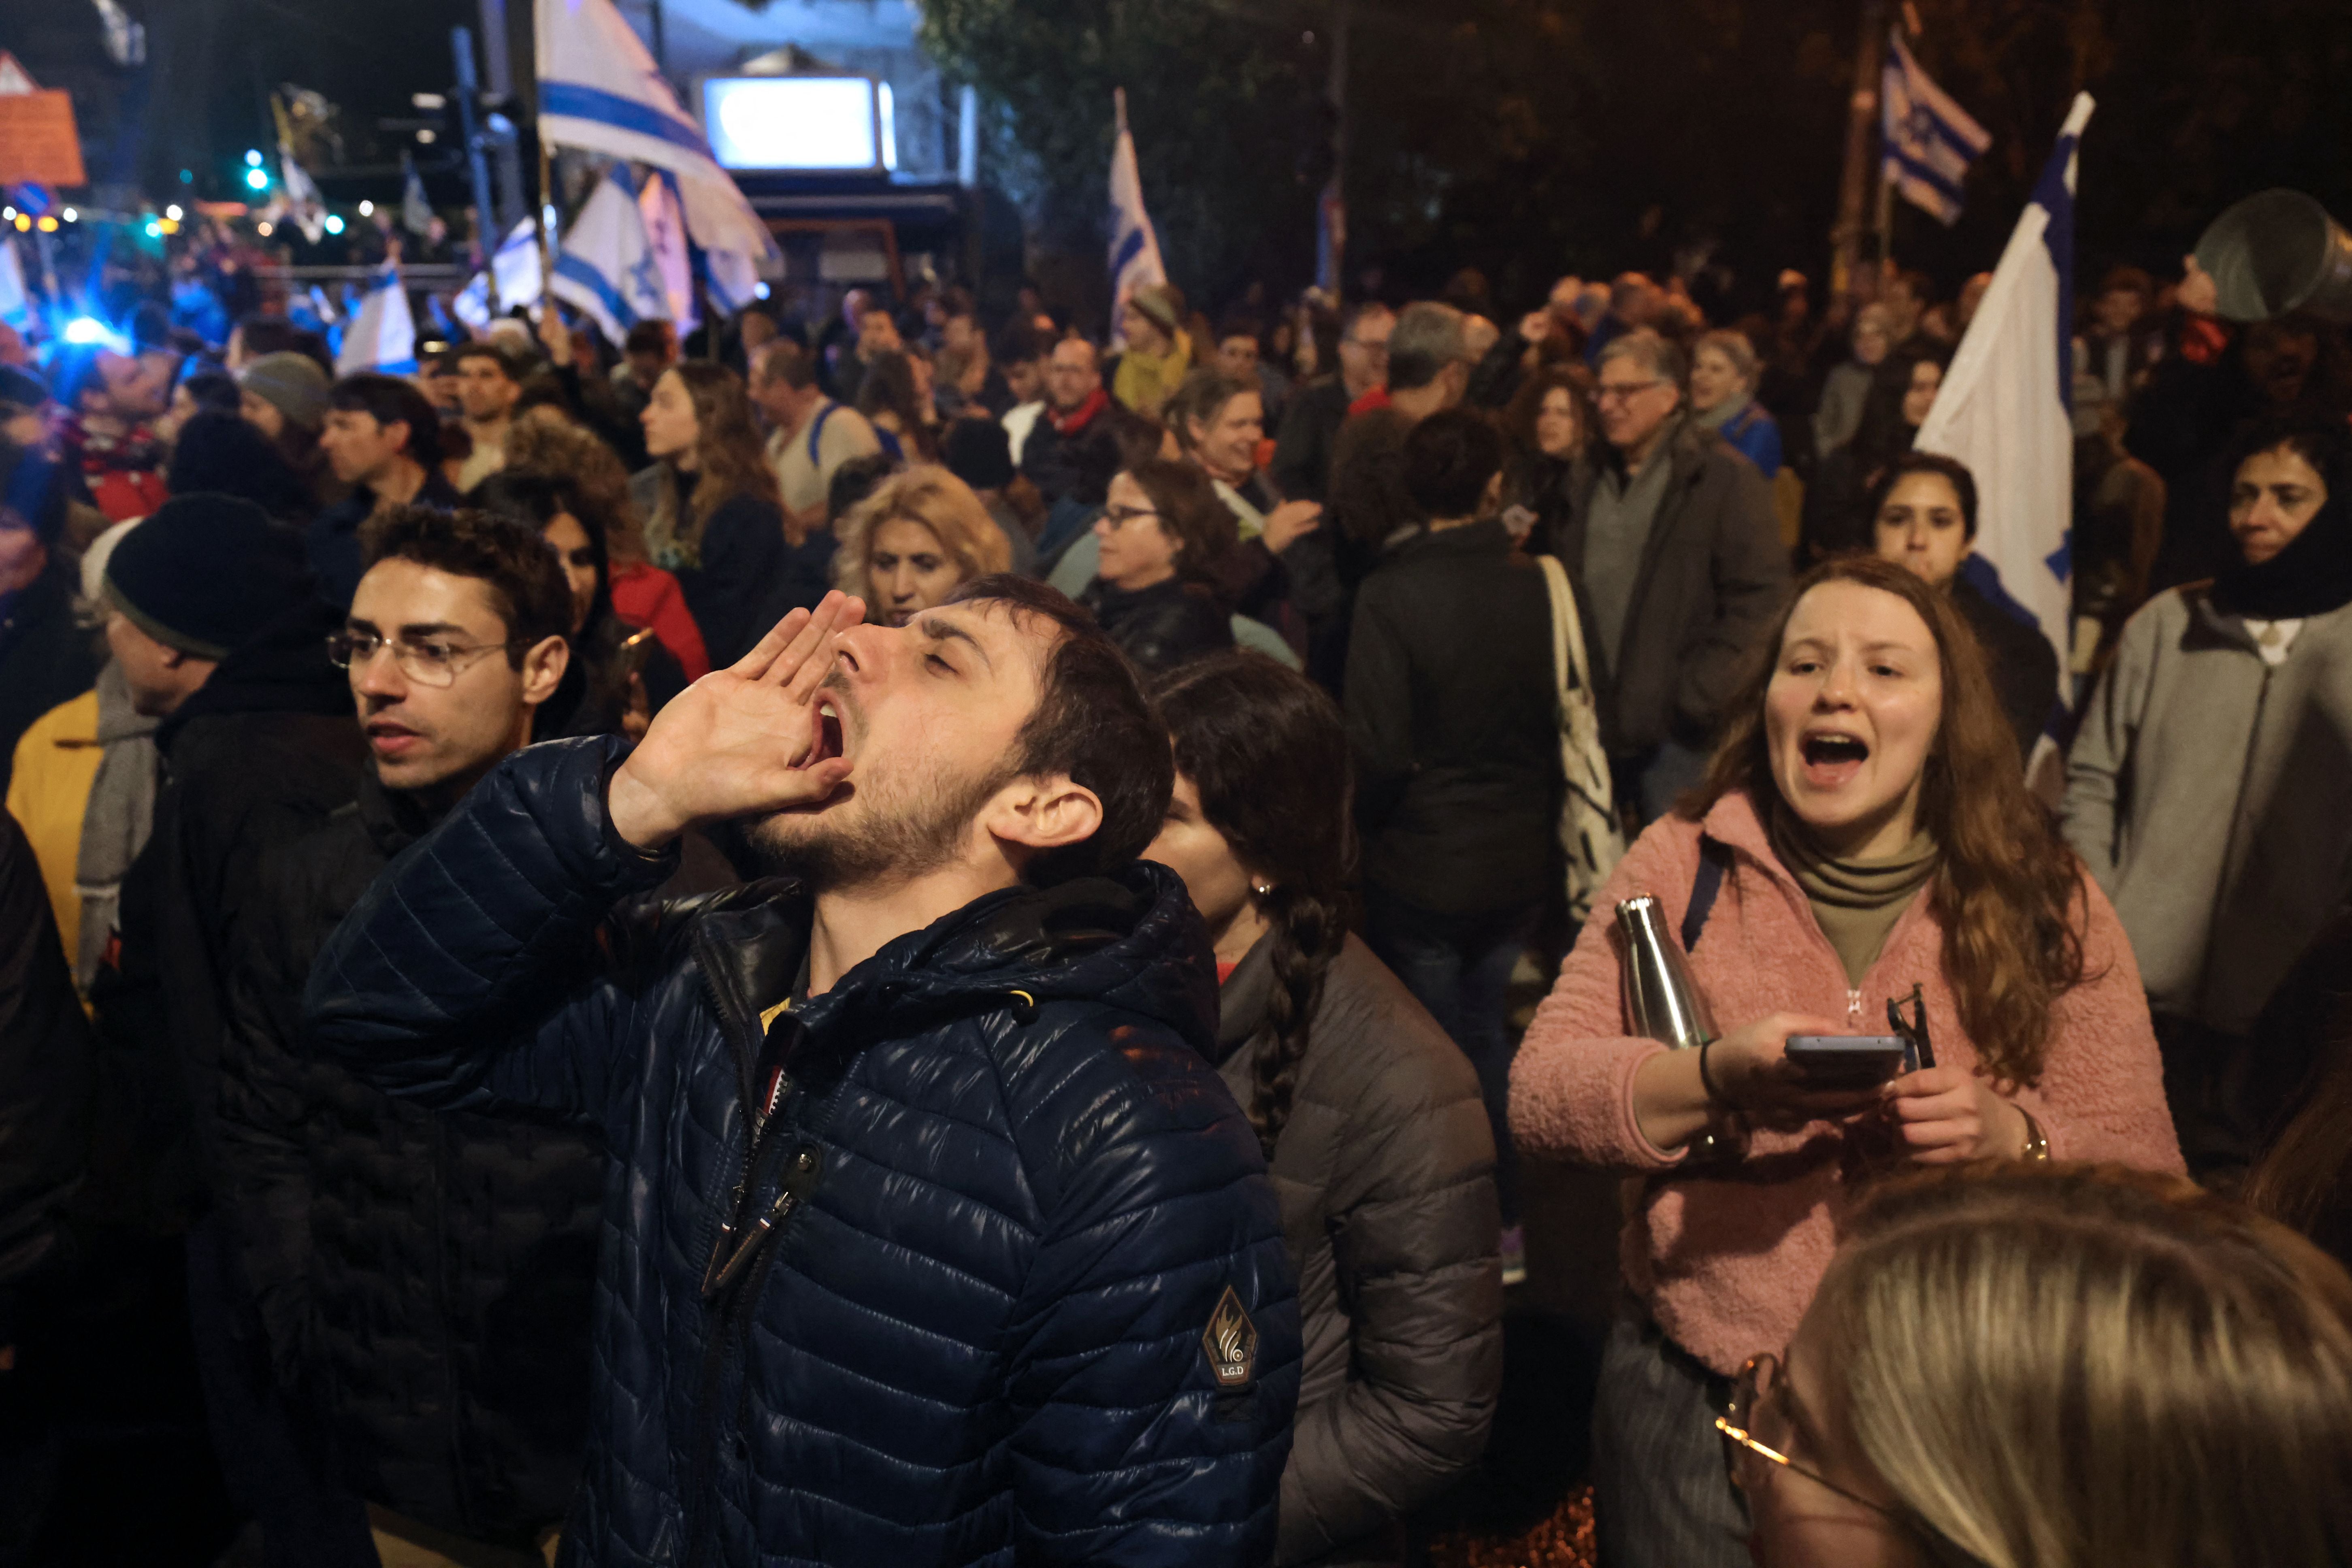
(334, 224)
(86, 330)
(252, 158)
(760, 291)
(257, 178)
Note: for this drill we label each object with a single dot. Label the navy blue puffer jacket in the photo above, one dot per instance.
(962, 1308)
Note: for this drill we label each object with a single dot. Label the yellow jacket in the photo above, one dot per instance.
(56, 762)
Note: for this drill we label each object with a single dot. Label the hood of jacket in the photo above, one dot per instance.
(282, 669)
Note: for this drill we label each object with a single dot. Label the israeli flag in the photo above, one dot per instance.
(1134, 246)
(472, 303)
(16, 304)
(382, 336)
(608, 268)
(415, 212)
(515, 266)
(599, 89)
(1927, 141)
(2006, 408)
(657, 203)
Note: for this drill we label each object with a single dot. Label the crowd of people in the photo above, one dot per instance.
(874, 940)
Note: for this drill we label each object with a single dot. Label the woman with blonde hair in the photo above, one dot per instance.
(1863, 843)
(717, 520)
(2071, 1368)
(920, 536)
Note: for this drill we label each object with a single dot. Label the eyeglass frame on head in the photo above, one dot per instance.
(1747, 1391)
(344, 650)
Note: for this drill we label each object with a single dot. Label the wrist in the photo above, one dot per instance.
(638, 814)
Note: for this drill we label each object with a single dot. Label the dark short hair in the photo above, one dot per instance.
(649, 338)
(1241, 324)
(1092, 724)
(1955, 472)
(1191, 515)
(259, 334)
(857, 479)
(525, 577)
(780, 358)
(2322, 442)
(1022, 343)
(388, 399)
(1449, 460)
(213, 389)
(494, 352)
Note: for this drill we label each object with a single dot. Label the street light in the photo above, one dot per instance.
(367, 209)
(252, 158)
(334, 223)
(70, 215)
(173, 212)
(257, 178)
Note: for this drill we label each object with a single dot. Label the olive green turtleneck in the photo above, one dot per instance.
(1855, 900)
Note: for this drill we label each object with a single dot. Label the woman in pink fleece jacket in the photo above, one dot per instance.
(1874, 834)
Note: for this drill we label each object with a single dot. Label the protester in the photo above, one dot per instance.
(1837, 515)
(1301, 469)
(1925, 508)
(1723, 375)
(1672, 541)
(1024, 352)
(969, 380)
(1864, 764)
(1160, 538)
(716, 521)
(618, 676)
(890, 400)
(1369, 1116)
(2119, 342)
(1219, 422)
(983, 970)
(2119, 504)
(648, 351)
(2066, 1369)
(487, 387)
(45, 657)
(2204, 790)
(643, 594)
(225, 454)
(1450, 703)
(920, 536)
(284, 396)
(1847, 386)
(1240, 353)
(384, 440)
(1157, 350)
(26, 411)
(875, 333)
(453, 1399)
(810, 435)
(1073, 450)
(1550, 423)
(116, 452)
(215, 623)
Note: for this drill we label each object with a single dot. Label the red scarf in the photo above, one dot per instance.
(1376, 398)
(1078, 418)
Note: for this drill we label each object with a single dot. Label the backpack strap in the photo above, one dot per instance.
(1714, 859)
(817, 429)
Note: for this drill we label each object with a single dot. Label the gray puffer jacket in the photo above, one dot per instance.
(1385, 1170)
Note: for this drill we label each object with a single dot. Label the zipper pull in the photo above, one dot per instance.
(1853, 1005)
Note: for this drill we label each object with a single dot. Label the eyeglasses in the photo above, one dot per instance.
(1620, 391)
(1120, 516)
(1378, 350)
(1756, 1431)
(426, 662)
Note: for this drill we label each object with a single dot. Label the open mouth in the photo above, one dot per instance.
(1831, 757)
(826, 741)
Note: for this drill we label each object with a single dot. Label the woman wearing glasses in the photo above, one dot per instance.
(2007, 1368)
(1863, 830)
(1161, 534)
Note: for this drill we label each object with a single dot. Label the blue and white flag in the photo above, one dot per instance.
(415, 212)
(515, 266)
(382, 336)
(1927, 141)
(599, 89)
(1134, 246)
(657, 203)
(471, 304)
(2005, 408)
(16, 302)
(607, 267)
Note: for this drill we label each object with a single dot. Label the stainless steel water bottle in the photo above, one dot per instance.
(1664, 1003)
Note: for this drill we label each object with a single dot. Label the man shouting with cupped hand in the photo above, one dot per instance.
(930, 1235)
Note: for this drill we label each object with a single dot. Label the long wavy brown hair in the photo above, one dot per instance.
(2008, 891)
(729, 460)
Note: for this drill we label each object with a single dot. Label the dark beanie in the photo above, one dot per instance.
(222, 454)
(978, 452)
(204, 572)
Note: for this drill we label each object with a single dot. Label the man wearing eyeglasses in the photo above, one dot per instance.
(1673, 548)
(418, 1282)
(1301, 468)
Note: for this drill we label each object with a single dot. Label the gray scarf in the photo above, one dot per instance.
(1722, 413)
(115, 825)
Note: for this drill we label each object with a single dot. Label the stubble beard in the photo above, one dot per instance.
(893, 830)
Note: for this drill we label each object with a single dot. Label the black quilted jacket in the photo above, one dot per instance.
(969, 1303)
(426, 1276)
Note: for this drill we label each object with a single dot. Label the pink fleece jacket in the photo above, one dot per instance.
(1726, 1257)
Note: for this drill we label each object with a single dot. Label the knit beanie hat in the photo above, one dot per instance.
(290, 382)
(204, 572)
(1160, 304)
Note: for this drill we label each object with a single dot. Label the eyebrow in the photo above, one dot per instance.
(1824, 646)
(942, 630)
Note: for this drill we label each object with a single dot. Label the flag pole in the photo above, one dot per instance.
(1862, 109)
(546, 202)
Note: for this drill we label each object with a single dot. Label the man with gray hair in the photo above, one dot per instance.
(1673, 544)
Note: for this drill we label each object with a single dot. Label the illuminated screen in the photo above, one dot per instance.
(792, 122)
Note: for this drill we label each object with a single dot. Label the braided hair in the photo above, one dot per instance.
(1265, 749)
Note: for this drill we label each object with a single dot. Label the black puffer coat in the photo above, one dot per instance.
(1385, 1170)
(426, 1276)
(1009, 1196)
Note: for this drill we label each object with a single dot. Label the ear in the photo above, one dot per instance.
(1031, 815)
(542, 669)
(1492, 501)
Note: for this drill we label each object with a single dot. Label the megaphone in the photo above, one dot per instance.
(2277, 252)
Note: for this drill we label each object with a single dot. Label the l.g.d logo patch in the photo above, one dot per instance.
(1230, 1341)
